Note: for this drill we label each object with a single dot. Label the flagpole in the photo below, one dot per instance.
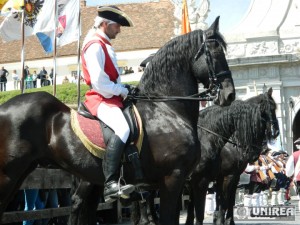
(54, 48)
(22, 86)
(78, 56)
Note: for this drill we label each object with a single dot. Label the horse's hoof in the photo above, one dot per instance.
(229, 222)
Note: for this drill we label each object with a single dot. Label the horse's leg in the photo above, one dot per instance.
(143, 213)
(232, 183)
(169, 194)
(135, 213)
(85, 201)
(152, 213)
(219, 215)
(199, 189)
(190, 209)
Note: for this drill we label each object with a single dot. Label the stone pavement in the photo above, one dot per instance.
(209, 219)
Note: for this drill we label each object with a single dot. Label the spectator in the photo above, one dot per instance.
(16, 79)
(26, 72)
(50, 200)
(32, 202)
(293, 169)
(34, 78)
(51, 76)
(3, 78)
(42, 75)
(130, 70)
(29, 81)
(74, 79)
(47, 81)
(65, 80)
(125, 70)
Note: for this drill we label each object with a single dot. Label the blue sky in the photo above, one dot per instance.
(230, 11)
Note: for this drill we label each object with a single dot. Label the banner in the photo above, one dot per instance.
(2, 3)
(12, 5)
(185, 23)
(67, 26)
(40, 20)
(10, 28)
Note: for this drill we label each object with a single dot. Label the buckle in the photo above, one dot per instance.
(132, 155)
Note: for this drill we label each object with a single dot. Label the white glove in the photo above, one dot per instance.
(124, 93)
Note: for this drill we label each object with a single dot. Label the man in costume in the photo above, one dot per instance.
(293, 169)
(104, 99)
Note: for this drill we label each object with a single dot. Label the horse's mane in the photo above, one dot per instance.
(242, 117)
(174, 56)
(264, 100)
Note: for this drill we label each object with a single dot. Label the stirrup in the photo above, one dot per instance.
(123, 192)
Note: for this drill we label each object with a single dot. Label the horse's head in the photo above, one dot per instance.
(210, 66)
(268, 112)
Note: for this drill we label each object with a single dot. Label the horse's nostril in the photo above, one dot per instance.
(231, 97)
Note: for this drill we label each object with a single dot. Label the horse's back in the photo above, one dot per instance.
(36, 99)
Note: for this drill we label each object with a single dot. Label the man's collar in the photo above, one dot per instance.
(101, 33)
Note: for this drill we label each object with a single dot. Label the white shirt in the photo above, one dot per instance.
(289, 166)
(95, 59)
(15, 76)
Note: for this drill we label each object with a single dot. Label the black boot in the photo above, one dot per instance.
(111, 170)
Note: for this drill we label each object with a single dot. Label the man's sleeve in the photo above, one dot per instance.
(289, 167)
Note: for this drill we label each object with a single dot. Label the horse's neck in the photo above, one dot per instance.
(220, 125)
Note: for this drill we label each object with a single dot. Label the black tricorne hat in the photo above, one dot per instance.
(115, 14)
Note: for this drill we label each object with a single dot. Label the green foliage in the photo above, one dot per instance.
(67, 93)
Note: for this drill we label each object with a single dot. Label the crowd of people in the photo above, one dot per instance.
(266, 182)
(32, 79)
(270, 180)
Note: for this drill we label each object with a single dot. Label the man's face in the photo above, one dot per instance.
(111, 30)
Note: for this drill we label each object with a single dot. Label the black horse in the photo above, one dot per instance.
(36, 127)
(248, 130)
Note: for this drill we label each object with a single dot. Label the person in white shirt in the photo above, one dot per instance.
(106, 94)
(293, 169)
(16, 80)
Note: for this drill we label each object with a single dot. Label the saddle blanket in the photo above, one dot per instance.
(90, 133)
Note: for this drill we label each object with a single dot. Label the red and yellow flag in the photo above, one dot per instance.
(185, 23)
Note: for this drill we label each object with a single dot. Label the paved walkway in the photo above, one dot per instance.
(209, 219)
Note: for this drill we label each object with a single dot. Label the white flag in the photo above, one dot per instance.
(67, 26)
(40, 20)
(10, 28)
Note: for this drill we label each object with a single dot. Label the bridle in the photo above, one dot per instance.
(213, 88)
(214, 84)
(270, 120)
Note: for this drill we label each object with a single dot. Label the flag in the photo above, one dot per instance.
(2, 3)
(12, 5)
(67, 26)
(10, 28)
(40, 20)
(185, 23)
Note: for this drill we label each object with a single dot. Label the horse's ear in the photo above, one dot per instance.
(270, 91)
(215, 25)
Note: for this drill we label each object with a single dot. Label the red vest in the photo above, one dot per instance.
(93, 98)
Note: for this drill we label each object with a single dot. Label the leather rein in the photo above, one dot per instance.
(213, 89)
